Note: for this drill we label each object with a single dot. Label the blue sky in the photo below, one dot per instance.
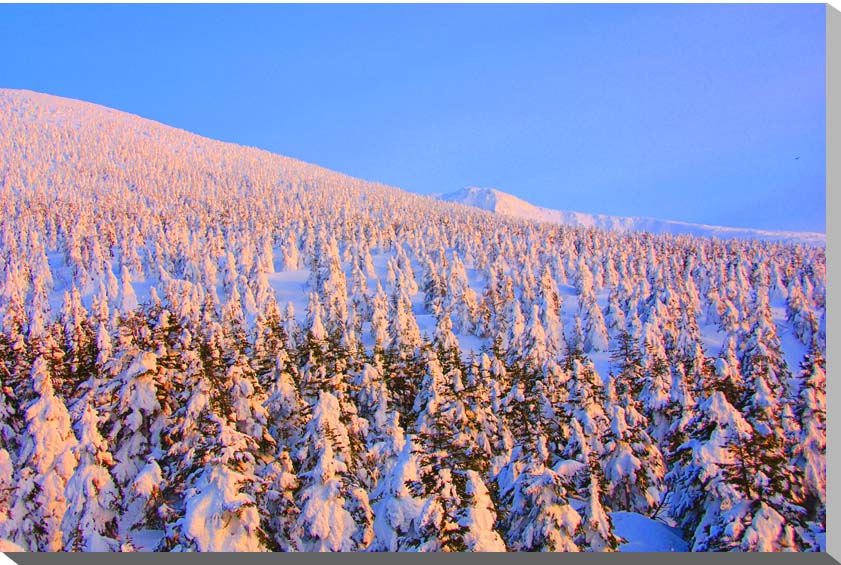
(702, 113)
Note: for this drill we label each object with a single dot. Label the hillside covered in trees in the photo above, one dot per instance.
(210, 347)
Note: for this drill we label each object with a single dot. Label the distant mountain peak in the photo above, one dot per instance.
(483, 198)
(499, 202)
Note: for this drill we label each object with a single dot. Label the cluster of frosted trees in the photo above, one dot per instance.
(151, 380)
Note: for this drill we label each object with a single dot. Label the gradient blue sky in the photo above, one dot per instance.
(688, 112)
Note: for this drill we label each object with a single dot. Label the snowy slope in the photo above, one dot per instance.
(8, 547)
(219, 234)
(503, 203)
(290, 285)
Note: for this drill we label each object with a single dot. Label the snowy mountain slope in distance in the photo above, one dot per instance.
(509, 205)
(85, 114)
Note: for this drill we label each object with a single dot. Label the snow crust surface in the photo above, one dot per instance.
(645, 534)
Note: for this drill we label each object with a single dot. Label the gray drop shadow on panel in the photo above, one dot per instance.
(833, 209)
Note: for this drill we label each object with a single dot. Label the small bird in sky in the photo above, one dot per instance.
(797, 158)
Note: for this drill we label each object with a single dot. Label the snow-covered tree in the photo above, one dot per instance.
(45, 464)
(90, 523)
(809, 452)
(396, 507)
(335, 509)
(539, 515)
